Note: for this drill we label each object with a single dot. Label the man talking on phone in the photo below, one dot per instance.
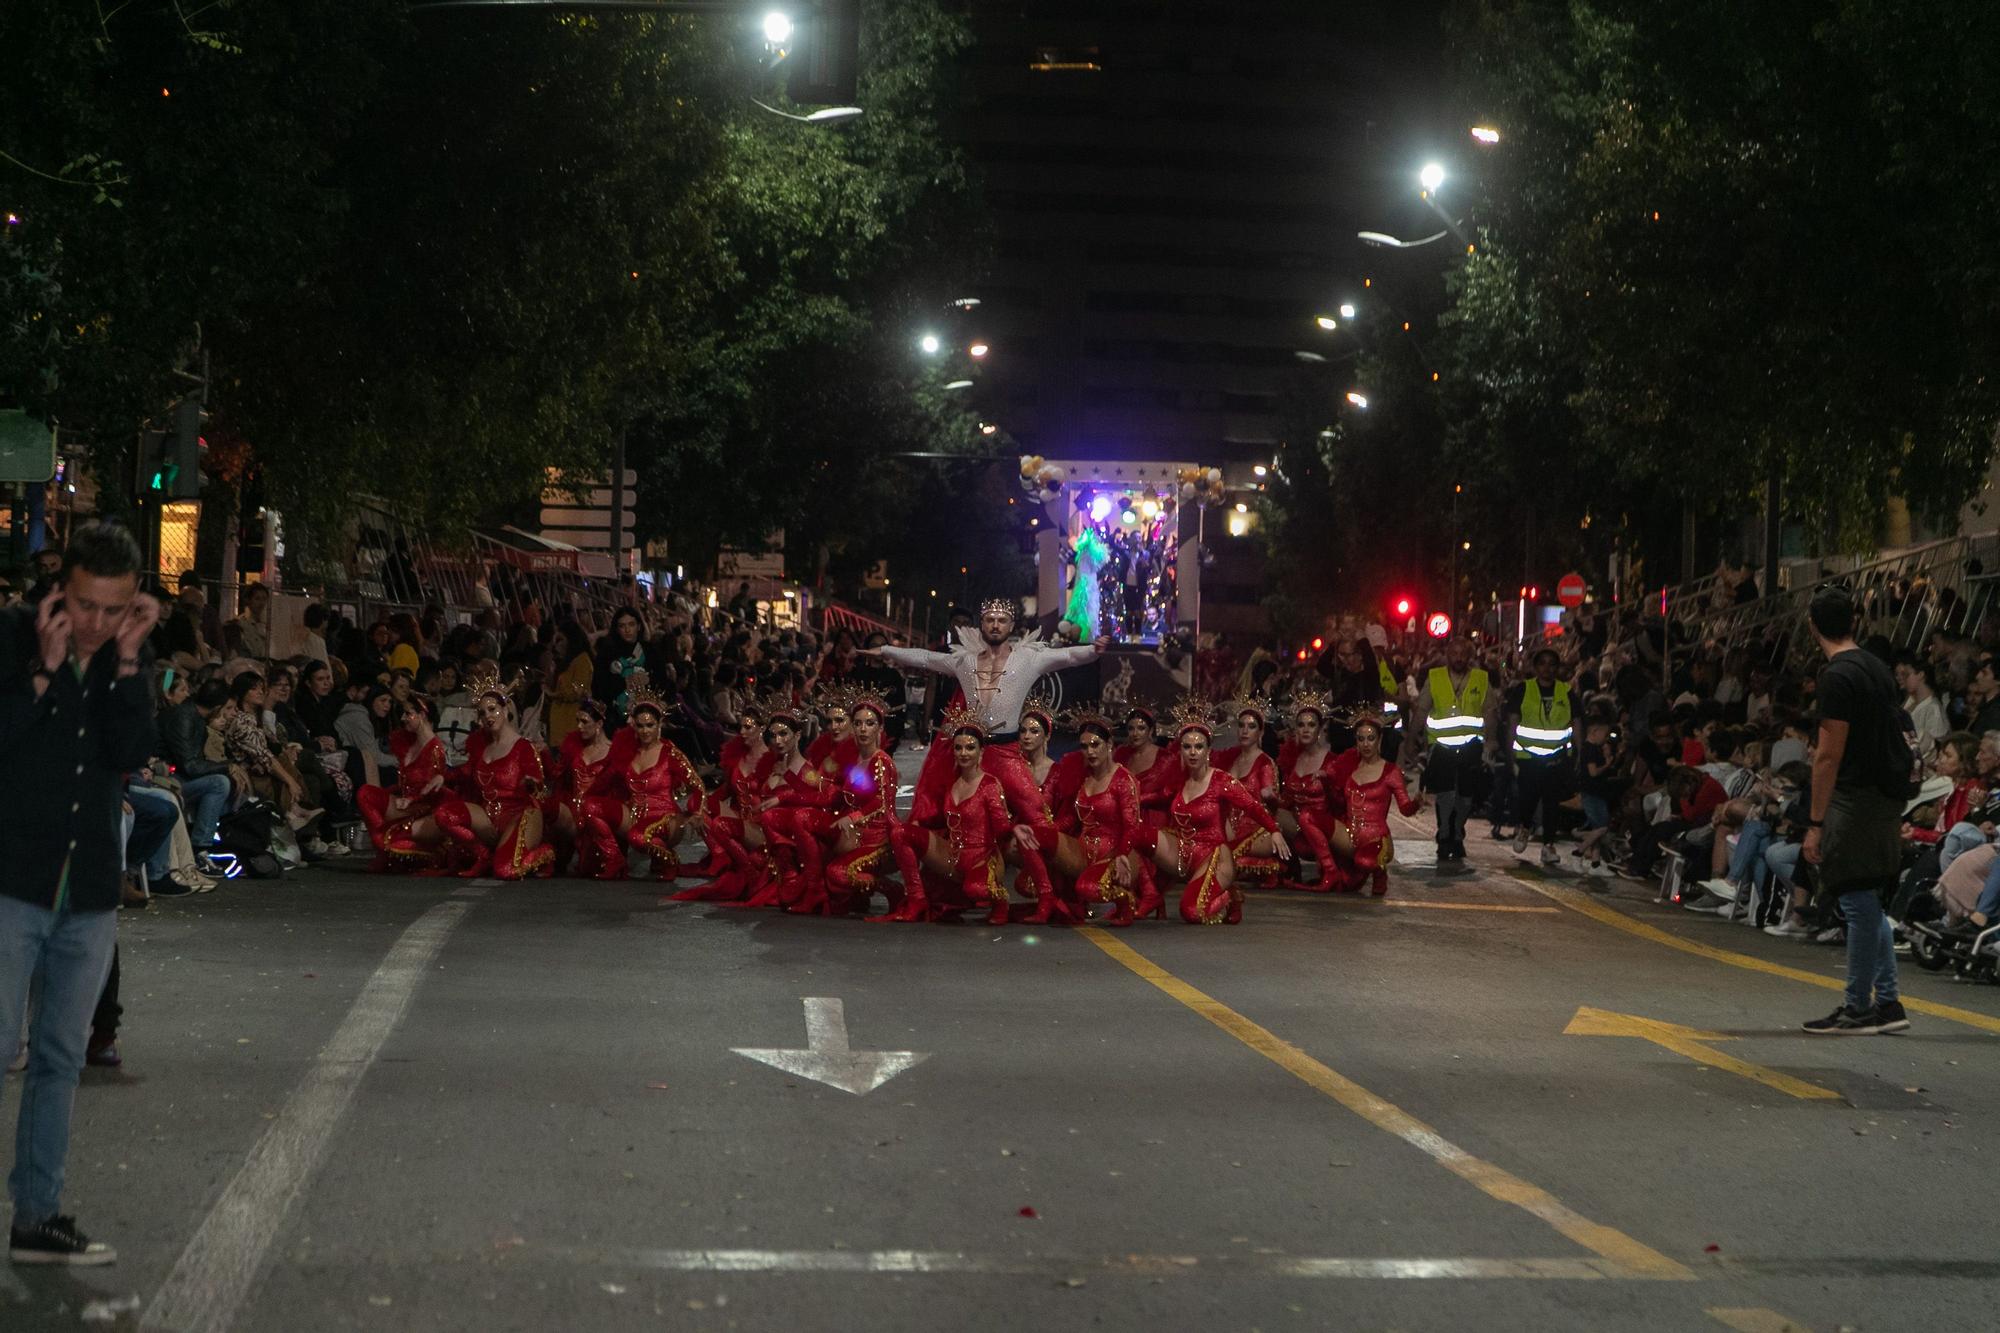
(76, 716)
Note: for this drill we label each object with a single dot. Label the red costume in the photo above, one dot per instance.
(1157, 784)
(868, 803)
(395, 847)
(1200, 829)
(740, 870)
(1368, 816)
(1314, 799)
(594, 794)
(1106, 825)
(506, 788)
(659, 798)
(791, 839)
(976, 828)
(1261, 781)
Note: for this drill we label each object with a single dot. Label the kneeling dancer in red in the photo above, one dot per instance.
(975, 826)
(500, 831)
(1195, 844)
(1370, 783)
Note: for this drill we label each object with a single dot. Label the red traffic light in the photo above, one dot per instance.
(1318, 643)
(1403, 606)
(1302, 654)
(1439, 625)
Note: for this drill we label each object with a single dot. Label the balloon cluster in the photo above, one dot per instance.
(1202, 485)
(1040, 479)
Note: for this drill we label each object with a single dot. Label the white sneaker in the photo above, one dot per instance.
(1722, 888)
(1551, 858)
(1599, 870)
(1708, 906)
(1789, 929)
(1831, 935)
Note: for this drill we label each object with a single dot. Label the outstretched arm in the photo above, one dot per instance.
(1061, 659)
(916, 659)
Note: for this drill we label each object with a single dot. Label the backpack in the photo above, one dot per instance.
(246, 834)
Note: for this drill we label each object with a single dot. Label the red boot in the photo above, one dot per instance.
(914, 905)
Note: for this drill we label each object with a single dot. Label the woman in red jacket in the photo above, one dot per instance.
(1248, 764)
(589, 802)
(731, 824)
(790, 798)
(1195, 844)
(663, 792)
(866, 814)
(1101, 825)
(1368, 783)
(399, 821)
(1308, 792)
(965, 839)
(498, 830)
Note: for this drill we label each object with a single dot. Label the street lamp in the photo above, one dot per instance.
(929, 344)
(1431, 177)
(977, 350)
(826, 115)
(777, 28)
(1360, 400)
(1486, 134)
(1386, 241)
(1327, 322)
(1347, 310)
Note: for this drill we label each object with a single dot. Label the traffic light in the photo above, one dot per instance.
(1403, 607)
(170, 460)
(1319, 644)
(826, 54)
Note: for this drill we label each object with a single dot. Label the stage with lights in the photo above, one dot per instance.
(1121, 556)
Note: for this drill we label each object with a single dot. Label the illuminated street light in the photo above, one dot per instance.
(966, 302)
(957, 384)
(1431, 176)
(930, 344)
(977, 350)
(987, 428)
(777, 28)
(1347, 310)
(1360, 400)
(1260, 470)
(1385, 240)
(1486, 134)
(1327, 322)
(1242, 508)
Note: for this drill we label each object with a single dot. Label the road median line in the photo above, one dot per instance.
(1633, 1258)
(1617, 920)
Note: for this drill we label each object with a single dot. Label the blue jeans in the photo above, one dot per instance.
(63, 958)
(1782, 860)
(1746, 860)
(1596, 812)
(1958, 839)
(1871, 951)
(204, 799)
(1989, 893)
(151, 842)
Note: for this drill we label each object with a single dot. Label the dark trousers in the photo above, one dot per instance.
(1457, 778)
(1539, 782)
(1646, 846)
(104, 1021)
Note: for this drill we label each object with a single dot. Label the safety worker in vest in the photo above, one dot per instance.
(1457, 713)
(1542, 740)
(1392, 704)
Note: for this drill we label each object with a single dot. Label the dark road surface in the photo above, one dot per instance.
(366, 1103)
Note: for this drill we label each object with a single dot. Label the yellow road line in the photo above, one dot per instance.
(1611, 916)
(1692, 1043)
(1755, 1320)
(1635, 1259)
(1372, 903)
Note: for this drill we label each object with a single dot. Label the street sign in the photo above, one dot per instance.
(1570, 591)
(579, 513)
(27, 447)
(1439, 625)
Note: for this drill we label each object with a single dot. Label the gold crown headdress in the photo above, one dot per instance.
(777, 706)
(959, 718)
(836, 696)
(1192, 712)
(1078, 716)
(1002, 605)
(1245, 702)
(482, 679)
(1310, 699)
(639, 693)
(1040, 705)
(1138, 705)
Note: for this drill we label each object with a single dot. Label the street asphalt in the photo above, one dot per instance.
(352, 1102)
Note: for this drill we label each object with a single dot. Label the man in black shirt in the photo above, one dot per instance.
(1853, 831)
(76, 716)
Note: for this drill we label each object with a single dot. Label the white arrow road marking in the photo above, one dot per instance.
(827, 1058)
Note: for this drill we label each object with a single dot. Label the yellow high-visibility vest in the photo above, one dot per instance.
(1544, 731)
(1457, 720)
(1391, 687)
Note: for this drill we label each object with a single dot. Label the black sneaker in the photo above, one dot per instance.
(1842, 1022)
(57, 1241)
(1891, 1018)
(166, 886)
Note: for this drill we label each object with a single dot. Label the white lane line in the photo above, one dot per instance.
(1124, 1265)
(216, 1271)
